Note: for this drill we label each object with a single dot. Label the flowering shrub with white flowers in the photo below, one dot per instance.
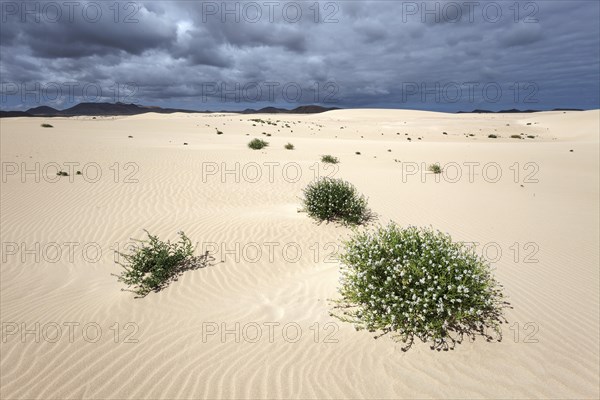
(418, 283)
(329, 199)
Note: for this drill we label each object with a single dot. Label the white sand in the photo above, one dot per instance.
(555, 300)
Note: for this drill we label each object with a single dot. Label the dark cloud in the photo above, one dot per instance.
(522, 35)
(374, 53)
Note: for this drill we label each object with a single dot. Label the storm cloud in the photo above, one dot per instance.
(445, 56)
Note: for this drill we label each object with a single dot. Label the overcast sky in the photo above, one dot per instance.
(446, 55)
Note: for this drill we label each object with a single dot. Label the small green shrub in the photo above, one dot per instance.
(257, 144)
(530, 137)
(331, 199)
(153, 264)
(492, 136)
(289, 146)
(329, 159)
(219, 132)
(435, 168)
(418, 283)
(515, 136)
(47, 126)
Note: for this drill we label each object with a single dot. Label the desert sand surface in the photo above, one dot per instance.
(275, 270)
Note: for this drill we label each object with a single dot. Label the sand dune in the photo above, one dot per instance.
(541, 212)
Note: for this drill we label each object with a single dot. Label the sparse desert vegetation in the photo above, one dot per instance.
(153, 264)
(257, 144)
(329, 159)
(435, 168)
(417, 283)
(331, 199)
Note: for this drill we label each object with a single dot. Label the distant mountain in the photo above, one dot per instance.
(312, 109)
(102, 109)
(266, 110)
(106, 109)
(115, 109)
(514, 111)
(9, 114)
(43, 110)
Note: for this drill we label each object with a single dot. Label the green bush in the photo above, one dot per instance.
(330, 199)
(418, 283)
(257, 144)
(515, 136)
(329, 159)
(47, 126)
(154, 263)
(492, 136)
(435, 168)
(289, 146)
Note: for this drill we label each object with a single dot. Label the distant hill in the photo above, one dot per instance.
(514, 111)
(312, 109)
(8, 114)
(114, 109)
(43, 110)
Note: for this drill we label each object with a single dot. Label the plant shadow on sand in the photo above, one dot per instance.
(456, 334)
